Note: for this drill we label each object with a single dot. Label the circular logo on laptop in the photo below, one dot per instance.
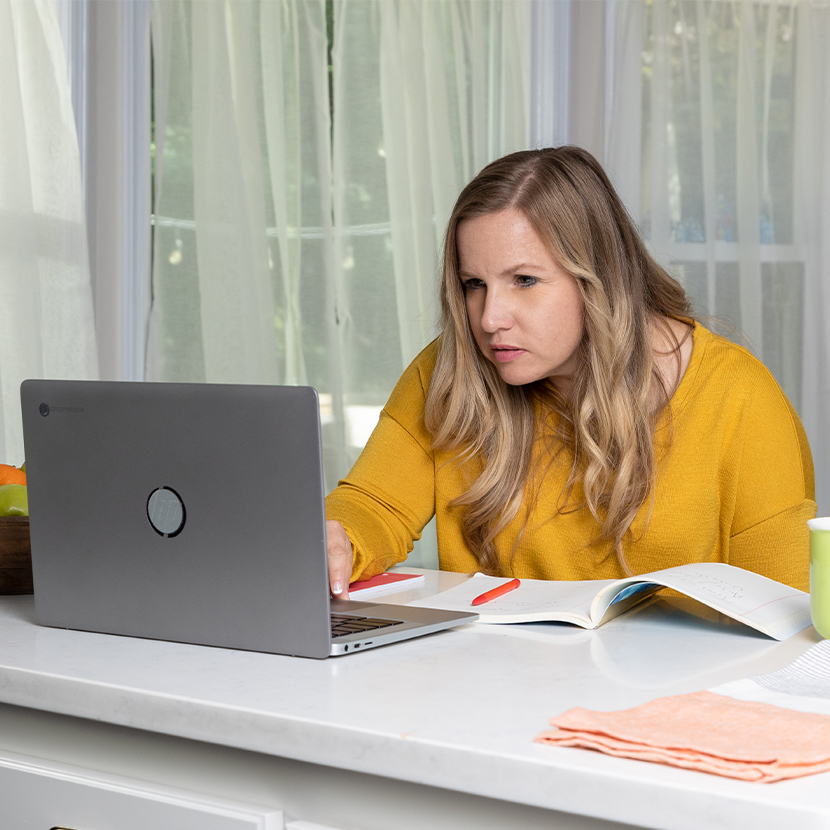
(165, 510)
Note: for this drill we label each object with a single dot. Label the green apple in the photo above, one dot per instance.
(14, 500)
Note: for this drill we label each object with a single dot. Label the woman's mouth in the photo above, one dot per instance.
(504, 354)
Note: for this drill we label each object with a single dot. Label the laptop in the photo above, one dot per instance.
(192, 513)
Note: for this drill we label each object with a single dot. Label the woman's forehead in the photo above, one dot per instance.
(504, 235)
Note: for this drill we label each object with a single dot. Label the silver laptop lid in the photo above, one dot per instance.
(189, 512)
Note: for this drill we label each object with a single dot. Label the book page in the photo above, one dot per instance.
(535, 600)
(769, 606)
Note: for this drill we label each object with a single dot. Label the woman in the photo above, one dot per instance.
(572, 420)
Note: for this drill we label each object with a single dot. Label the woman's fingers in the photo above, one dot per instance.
(341, 559)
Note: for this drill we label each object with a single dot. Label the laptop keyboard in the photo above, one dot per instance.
(342, 624)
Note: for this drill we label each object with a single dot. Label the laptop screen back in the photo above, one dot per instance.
(189, 512)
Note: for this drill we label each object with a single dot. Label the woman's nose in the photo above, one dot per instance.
(496, 314)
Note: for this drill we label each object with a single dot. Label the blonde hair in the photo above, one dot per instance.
(608, 420)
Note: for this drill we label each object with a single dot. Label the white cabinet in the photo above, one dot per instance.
(39, 795)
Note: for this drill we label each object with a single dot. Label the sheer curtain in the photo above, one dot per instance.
(812, 231)
(46, 320)
(717, 137)
(425, 94)
(304, 170)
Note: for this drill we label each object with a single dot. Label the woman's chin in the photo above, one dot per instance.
(514, 375)
(517, 376)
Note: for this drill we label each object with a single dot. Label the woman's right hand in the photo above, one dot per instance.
(341, 559)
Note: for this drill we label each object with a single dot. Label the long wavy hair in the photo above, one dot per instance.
(607, 422)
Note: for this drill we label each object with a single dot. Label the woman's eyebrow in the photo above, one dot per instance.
(512, 269)
(522, 266)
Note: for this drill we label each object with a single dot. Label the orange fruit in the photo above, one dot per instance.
(11, 475)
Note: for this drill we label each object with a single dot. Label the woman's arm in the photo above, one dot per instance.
(777, 547)
(775, 494)
(388, 497)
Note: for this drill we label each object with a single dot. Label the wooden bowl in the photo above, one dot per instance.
(15, 556)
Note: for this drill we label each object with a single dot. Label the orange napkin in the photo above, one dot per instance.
(707, 732)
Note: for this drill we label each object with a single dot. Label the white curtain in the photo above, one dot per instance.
(303, 179)
(46, 320)
(718, 139)
(812, 231)
(425, 94)
(242, 266)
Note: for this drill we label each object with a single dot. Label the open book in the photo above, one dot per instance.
(768, 606)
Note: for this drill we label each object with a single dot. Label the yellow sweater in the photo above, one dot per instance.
(735, 486)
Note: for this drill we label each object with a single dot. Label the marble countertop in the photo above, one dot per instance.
(457, 709)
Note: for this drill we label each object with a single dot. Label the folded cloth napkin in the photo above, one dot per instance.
(704, 731)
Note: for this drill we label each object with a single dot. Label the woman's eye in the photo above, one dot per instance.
(472, 283)
(524, 281)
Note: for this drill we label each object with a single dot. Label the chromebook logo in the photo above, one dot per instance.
(45, 409)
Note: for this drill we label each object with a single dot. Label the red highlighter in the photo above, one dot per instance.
(496, 592)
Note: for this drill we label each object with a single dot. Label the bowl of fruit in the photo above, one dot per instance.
(15, 549)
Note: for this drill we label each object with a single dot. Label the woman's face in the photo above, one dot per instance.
(525, 312)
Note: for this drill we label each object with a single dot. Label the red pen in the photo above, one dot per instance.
(496, 592)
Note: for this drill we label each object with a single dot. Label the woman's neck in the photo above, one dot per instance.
(671, 343)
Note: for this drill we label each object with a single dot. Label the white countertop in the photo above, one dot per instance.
(457, 710)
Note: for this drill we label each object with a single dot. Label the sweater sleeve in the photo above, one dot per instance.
(776, 493)
(389, 495)
(777, 547)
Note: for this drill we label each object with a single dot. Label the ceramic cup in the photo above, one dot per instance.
(820, 574)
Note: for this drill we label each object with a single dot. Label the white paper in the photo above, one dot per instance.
(804, 685)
